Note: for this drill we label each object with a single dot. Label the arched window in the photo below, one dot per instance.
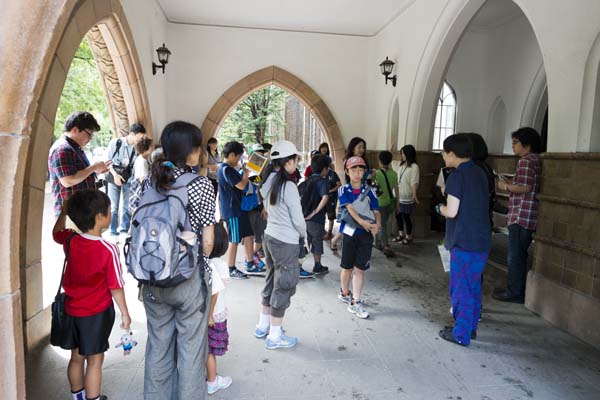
(445, 117)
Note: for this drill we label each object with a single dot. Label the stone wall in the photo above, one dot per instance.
(564, 284)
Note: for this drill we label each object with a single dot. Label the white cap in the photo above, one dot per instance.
(258, 147)
(283, 149)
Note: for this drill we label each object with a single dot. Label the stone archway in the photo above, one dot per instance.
(293, 85)
(45, 38)
(433, 65)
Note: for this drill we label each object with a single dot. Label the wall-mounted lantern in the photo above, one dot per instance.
(386, 69)
(163, 58)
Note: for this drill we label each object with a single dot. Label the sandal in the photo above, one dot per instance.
(398, 239)
(407, 240)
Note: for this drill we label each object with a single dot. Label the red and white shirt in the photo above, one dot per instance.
(93, 270)
(523, 207)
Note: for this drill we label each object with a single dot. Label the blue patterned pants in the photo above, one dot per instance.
(465, 291)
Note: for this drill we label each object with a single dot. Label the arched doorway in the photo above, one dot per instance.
(45, 38)
(293, 85)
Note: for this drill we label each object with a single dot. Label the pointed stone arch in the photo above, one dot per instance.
(293, 85)
(432, 68)
(588, 138)
(46, 39)
(496, 127)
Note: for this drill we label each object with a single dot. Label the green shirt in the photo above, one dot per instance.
(386, 197)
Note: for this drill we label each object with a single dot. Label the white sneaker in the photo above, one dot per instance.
(358, 309)
(222, 382)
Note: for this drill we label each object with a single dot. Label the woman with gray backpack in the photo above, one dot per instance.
(172, 230)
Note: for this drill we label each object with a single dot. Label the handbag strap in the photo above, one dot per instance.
(387, 183)
(67, 247)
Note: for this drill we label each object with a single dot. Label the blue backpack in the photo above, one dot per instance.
(250, 197)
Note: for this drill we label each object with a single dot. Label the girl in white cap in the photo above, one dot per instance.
(285, 229)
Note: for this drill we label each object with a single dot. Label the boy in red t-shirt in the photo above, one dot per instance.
(92, 280)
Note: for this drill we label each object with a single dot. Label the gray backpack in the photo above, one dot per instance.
(155, 253)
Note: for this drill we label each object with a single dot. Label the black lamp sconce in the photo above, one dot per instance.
(386, 69)
(163, 59)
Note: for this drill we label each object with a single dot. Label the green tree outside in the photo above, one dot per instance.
(258, 118)
(83, 91)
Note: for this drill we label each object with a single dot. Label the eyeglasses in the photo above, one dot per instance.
(88, 132)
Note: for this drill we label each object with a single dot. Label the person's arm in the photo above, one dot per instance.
(208, 239)
(451, 209)
(415, 182)
(367, 225)
(322, 204)
(119, 297)
(101, 167)
(213, 303)
(60, 223)
(512, 188)
(292, 200)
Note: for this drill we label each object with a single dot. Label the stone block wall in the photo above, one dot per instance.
(565, 279)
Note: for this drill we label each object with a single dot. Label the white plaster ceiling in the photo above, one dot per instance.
(495, 13)
(347, 17)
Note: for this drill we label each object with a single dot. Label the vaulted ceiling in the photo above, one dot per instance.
(349, 17)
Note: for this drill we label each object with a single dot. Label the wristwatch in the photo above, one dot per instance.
(437, 208)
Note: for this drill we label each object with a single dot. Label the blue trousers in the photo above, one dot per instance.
(465, 291)
(114, 194)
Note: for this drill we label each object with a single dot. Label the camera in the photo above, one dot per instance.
(100, 183)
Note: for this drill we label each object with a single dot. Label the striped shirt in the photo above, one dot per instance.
(523, 207)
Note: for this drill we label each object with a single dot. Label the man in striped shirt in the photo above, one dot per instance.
(522, 212)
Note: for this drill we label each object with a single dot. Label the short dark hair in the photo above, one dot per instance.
(480, 149)
(319, 162)
(81, 120)
(528, 137)
(410, 154)
(137, 128)
(84, 205)
(267, 146)
(233, 147)
(460, 144)
(385, 157)
(143, 145)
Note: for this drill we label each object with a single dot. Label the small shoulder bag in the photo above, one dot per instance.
(59, 316)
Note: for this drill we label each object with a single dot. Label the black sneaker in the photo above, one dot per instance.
(237, 274)
(320, 269)
(446, 334)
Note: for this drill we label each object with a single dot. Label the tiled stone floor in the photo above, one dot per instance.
(395, 354)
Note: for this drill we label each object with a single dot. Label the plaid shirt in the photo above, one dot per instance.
(66, 159)
(522, 207)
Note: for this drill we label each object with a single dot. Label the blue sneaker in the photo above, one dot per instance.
(305, 274)
(257, 261)
(253, 269)
(284, 342)
(259, 333)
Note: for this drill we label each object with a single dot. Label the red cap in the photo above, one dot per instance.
(354, 162)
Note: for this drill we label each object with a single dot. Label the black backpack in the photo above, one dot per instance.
(308, 199)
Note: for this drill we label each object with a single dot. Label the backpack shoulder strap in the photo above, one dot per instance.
(186, 178)
(387, 182)
(117, 148)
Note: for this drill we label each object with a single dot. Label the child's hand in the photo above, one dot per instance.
(125, 322)
(211, 321)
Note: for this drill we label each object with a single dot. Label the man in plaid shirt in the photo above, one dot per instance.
(522, 212)
(69, 167)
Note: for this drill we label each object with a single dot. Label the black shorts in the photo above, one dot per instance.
(89, 334)
(330, 210)
(238, 228)
(356, 251)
